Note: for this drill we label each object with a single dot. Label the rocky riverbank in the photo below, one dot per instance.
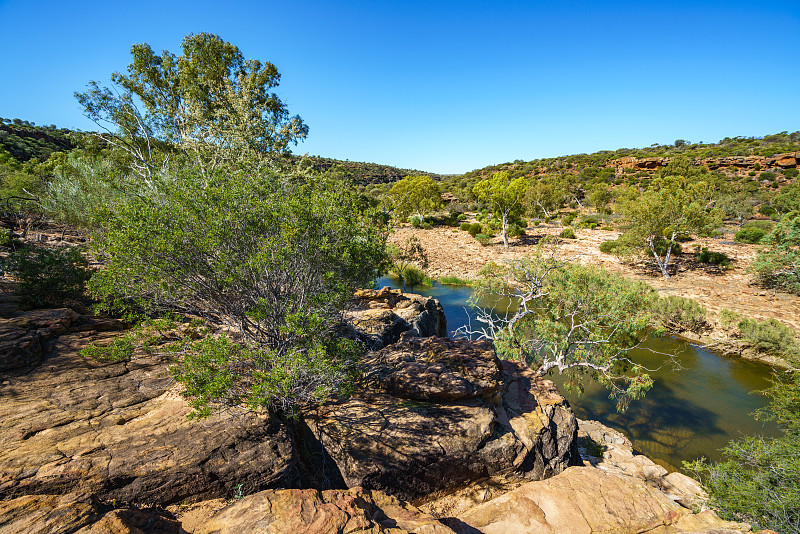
(439, 436)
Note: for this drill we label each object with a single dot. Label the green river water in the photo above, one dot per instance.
(692, 411)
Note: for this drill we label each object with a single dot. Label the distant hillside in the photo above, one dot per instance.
(658, 155)
(25, 141)
(366, 173)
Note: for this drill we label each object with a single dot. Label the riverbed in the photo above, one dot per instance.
(700, 401)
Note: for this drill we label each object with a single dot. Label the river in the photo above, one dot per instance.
(691, 411)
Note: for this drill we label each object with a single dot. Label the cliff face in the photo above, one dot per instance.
(789, 160)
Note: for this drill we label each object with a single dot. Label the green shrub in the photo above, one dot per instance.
(588, 221)
(770, 336)
(6, 237)
(49, 277)
(515, 230)
(764, 225)
(610, 247)
(766, 209)
(567, 233)
(461, 217)
(414, 276)
(749, 235)
(426, 226)
(567, 219)
(465, 227)
(121, 348)
(778, 264)
(714, 258)
(483, 239)
(766, 175)
(415, 221)
(679, 314)
(728, 318)
(790, 173)
(475, 229)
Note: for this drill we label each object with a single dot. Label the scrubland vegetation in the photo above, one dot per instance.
(194, 205)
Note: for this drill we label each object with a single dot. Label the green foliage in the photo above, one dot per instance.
(120, 348)
(454, 281)
(568, 233)
(750, 235)
(612, 247)
(674, 205)
(770, 336)
(549, 193)
(273, 256)
(778, 264)
(766, 209)
(414, 195)
(790, 173)
(483, 239)
(678, 314)
(505, 198)
(474, 229)
(578, 320)
(714, 258)
(408, 259)
(568, 218)
(210, 103)
(728, 318)
(49, 277)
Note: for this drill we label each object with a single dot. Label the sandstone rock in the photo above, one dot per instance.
(687, 491)
(117, 431)
(22, 337)
(380, 317)
(417, 441)
(47, 514)
(585, 500)
(311, 511)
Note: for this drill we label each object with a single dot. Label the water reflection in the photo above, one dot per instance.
(693, 410)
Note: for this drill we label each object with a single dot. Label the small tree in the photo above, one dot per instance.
(600, 197)
(548, 194)
(504, 197)
(414, 195)
(671, 207)
(581, 321)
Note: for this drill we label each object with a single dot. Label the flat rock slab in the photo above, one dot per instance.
(117, 430)
(353, 511)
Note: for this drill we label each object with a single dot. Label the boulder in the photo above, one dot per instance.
(585, 500)
(435, 414)
(120, 431)
(380, 317)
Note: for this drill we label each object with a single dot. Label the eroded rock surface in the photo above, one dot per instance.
(116, 431)
(586, 500)
(380, 317)
(437, 414)
(351, 511)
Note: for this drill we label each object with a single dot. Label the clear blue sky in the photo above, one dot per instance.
(445, 86)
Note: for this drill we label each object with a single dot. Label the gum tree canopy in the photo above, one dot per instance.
(209, 102)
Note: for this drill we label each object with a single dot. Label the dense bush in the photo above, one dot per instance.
(611, 247)
(766, 209)
(49, 277)
(714, 258)
(465, 226)
(414, 276)
(770, 336)
(750, 235)
(567, 233)
(778, 265)
(415, 221)
(679, 314)
(475, 229)
(568, 218)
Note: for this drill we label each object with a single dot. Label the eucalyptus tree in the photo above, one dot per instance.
(414, 195)
(209, 103)
(504, 197)
(579, 321)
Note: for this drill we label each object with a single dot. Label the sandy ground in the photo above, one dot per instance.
(452, 252)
